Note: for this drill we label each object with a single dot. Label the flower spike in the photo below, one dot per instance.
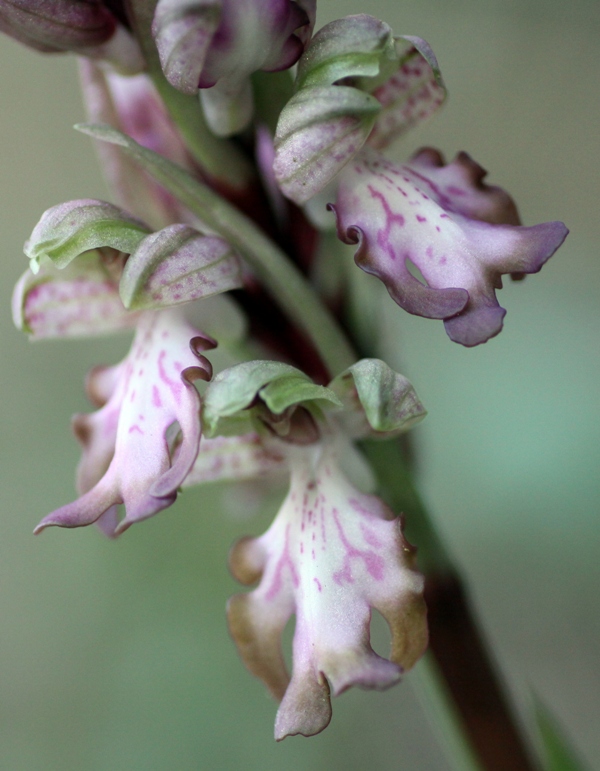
(460, 233)
(128, 455)
(331, 555)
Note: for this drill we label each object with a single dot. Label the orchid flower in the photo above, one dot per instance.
(459, 232)
(358, 88)
(333, 553)
(127, 456)
(215, 45)
(91, 262)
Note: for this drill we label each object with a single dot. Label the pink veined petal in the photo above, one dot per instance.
(154, 389)
(445, 221)
(331, 555)
(82, 300)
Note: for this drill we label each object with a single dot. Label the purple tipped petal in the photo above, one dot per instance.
(127, 456)
(447, 223)
(217, 45)
(57, 25)
(183, 32)
(331, 555)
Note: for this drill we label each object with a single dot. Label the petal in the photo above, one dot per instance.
(154, 390)
(439, 219)
(80, 301)
(331, 555)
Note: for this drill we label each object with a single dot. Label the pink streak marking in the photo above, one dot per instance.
(173, 385)
(370, 537)
(373, 562)
(284, 561)
(156, 402)
(360, 509)
(318, 583)
(392, 218)
(134, 428)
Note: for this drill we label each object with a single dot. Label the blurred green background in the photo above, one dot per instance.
(115, 656)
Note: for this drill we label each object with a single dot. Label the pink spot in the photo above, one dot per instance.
(420, 218)
(318, 583)
(134, 428)
(156, 397)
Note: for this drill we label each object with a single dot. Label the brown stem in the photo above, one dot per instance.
(471, 676)
(460, 651)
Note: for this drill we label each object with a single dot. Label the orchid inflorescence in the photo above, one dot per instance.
(227, 168)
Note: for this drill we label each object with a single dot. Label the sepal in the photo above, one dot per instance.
(356, 83)
(378, 402)
(177, 265)
(250, 395)
(318, 132)
(72, 228)
(183, 32)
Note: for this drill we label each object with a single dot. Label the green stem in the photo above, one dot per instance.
(219, 158)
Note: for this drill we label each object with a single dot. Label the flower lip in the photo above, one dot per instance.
(460, 233)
